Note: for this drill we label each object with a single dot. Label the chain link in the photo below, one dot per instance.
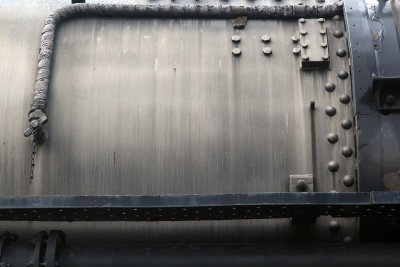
(32, 160)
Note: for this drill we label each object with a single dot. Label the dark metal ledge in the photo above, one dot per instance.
(199, 207)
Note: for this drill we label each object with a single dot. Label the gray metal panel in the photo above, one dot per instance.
(241, 127)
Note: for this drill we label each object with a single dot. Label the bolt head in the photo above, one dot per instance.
(236, 38)
(321, 20)
(266, 38)
(34, 123)
(324, 45)
(267, 51)
(304, 45)
(301, 186)
(302, 20)
(322, 32)
(295, 39)
(305, 58)
(303, 32)
(296, 51)
(236, 51)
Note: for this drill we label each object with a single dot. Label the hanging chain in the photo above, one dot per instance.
(32, 160)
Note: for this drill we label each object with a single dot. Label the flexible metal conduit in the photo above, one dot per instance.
(46, 51)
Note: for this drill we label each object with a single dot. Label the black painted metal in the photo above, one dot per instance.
(199, 207)
(373, 51)
(100, 255)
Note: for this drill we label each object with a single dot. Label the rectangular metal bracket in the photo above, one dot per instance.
(313, 44)
(301, 183)
(386, 91)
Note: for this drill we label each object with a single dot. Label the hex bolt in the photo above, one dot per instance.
(267, 51)
(334, 226)
(301, 186)
(390, 99)
(236, 51)
(236, 38)
(296, 50)
(266, 38)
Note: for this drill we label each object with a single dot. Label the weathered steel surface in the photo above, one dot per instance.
(156, 106)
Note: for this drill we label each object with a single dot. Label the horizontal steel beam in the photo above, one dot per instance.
(199, 207)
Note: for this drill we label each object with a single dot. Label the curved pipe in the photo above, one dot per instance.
(46, 51)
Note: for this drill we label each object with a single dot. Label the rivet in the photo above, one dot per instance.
(348, 239)
(296, 50)
(295, 39)
(236, 38)
(321, 20)
(348, 180)
(305, 57)
(320, 1)
(345, 99)
(347, 151)
(330, 111)
(337, 17)
(236, 51)
(346, 124)
(304, 45)
(338, 34)
(333, 166)
(267, 51)
(339, 4)
(303, 32)
(332, 138)
(390, 99)
(322, 32)
(302, 20)
(343, 74)
(330, 87)
(325, 57)
(334, 226)
(265, 38)
(341, 52)
(324, 45)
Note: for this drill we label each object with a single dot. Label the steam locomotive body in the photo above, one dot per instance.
(192, 133)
